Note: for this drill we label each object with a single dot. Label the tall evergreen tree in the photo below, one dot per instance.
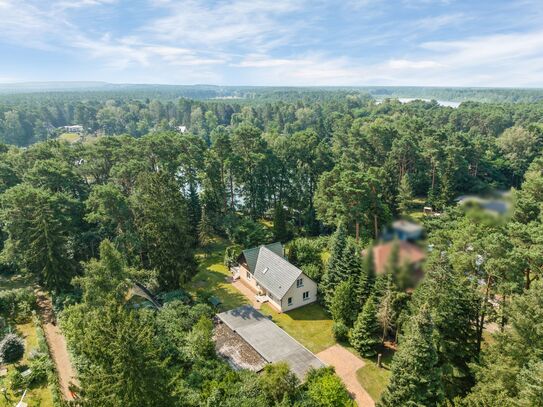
(415, 379)
(351, 265)
(367, 277)
(365, 333)
(454, 304)
(405, 195)
(164, 227)
(280, 231)
(332, 274)
(343, 305)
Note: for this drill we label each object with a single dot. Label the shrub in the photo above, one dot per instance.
(340, 331)
(231, 254)
(16, 380)
(40, 365)
(325, 389)
(12, 349)
(17, 303)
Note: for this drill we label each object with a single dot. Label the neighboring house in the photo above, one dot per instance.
(181, 129)
(273, 279)
(73, 129)
(404, 230)
(408, 254)
(495, 205)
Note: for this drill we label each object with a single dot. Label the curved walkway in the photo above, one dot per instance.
(346, 365)
(57, 345)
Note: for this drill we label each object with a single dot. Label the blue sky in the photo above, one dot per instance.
(277, 42)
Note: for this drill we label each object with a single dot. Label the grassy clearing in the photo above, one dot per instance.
(309, 325)
(373, 378)
(14, 281)
(38, 396)
(69, 137)
(212, 278)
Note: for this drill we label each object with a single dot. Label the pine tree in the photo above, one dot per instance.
(365, 333)
(367, 277)
(342, 306)
(385, 312)
(205, 231)
(351, 265)
(331, 276)
(194, 209)
(280, 232)
(12, 349)
(405, 195)
(416, 379)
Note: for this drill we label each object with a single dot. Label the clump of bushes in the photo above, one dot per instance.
(17, 304)
(12, 349)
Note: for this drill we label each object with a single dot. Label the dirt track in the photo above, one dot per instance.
(57, 345)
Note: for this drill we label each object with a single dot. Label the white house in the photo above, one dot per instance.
(273, 279)
(76, 128)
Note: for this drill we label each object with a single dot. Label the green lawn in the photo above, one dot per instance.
(38, 396)
(309, 325)
(69, 137)
(373, 378)
(14, 281)
(212, 276)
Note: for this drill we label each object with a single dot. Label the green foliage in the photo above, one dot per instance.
(340, 331)
(231, 254)
(453, 304)
(41, 229)
(123, 360)
(246, 232)
(510, 372)
(364, 336)
(405, 195)
(157, 220)
(12, 349)
(415, 376)
(343, 304)
(200, 340)
(306, 254)
(278, 382)
(280, 226)
(325, 389)
(17, 303)
(332, 274)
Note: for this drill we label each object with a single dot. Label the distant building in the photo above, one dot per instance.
(496, 206)
(404, 230)
(408, 255)
(181, 129)
(77, 128)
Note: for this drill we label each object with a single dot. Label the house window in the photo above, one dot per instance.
(249, 275)
(299, 283)
(305, 295)
(289, 301)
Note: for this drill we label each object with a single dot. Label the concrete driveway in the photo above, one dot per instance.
(346, 365)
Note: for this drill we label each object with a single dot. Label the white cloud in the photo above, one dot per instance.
(413, 64)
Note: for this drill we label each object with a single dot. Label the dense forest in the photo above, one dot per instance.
(136, 199)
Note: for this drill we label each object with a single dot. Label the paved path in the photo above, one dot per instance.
(57, 345)
(251, 296)
(346, 365)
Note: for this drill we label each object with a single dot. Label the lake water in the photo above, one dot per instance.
(446, 103)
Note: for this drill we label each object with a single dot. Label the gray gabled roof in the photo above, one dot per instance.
(251, 255)
(275, 273)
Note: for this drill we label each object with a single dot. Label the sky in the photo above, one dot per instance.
(482, 43)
